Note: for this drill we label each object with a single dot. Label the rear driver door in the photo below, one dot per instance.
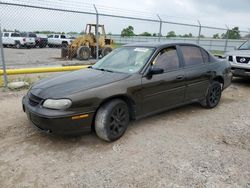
(197, 72)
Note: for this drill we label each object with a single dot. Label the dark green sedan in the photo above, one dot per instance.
(132, 82)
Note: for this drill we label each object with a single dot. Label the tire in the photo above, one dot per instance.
(50, 45)
(213, 95)
(18, 45)
(112, 120)
(106, 50)
(93, 53)
(83, 53)
(64, 50)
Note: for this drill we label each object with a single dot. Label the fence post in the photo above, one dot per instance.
(3, 61)
(159, 34)
(96, 33)
(199, 36)
(227, 33)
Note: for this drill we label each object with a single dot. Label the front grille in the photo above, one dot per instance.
(240, 59)
(34, 100)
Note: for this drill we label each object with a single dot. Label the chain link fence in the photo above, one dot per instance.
(59, 21)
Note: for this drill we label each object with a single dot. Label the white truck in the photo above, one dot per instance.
(58, 40)
(14, 39)
(240, 60)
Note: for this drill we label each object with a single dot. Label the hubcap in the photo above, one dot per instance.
(215, 95)
(118, 120)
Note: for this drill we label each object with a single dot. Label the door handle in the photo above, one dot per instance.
(180, 77)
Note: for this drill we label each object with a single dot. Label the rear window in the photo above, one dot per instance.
(192, 55)
(33, 35)
(23, 34)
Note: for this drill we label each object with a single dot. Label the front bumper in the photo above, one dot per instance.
(240, 71)
(62, 125)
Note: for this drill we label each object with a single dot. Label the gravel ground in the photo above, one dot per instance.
(37, 57)
(185, 147)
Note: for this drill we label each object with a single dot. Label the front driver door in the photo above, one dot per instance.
(163, 91)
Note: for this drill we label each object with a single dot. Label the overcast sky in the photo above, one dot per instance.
(211, 12)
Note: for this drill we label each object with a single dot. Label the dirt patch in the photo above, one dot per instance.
(185, 147)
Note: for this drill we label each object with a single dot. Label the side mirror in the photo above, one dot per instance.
(154, 70)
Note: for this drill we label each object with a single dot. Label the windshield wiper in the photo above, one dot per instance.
(102, 69)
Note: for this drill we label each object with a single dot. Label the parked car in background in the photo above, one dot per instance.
(15, 39)
(240, 60)
(131, 82)
(40, 39)
(30, 39)
(58, 40)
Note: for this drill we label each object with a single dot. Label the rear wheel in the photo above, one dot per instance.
(112, 120)
(18, 45)
(83, 53)
(213, 95)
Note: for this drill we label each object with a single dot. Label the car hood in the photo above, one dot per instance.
(63, 85)
(239, 53)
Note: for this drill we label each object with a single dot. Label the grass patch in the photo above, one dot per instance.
(217, 52)
(118, 45)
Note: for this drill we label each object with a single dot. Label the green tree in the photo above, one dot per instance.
(190, 35)
(72, 33)
(154, 35)
(147, 34)
(216, 36)
(202, 36)
(232, 34)
(171, 34)
(128, 32)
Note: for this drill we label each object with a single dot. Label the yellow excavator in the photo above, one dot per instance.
(85, 46)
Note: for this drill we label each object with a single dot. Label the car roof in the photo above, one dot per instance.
(158, 44)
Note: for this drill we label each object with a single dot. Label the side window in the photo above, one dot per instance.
(56, 36)
(192, 55)
(50, 36)
(63, 37)
(15, 35)
(6, 35)
(205, 56)
(167, 59)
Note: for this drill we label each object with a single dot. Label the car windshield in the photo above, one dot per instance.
(125, 60)
(245, 46)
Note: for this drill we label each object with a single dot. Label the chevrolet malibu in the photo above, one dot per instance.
(132, 82)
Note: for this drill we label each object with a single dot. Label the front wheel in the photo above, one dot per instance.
(64, 50)
(106, 50)
(112, 120)
(213, 95)
(83, 53)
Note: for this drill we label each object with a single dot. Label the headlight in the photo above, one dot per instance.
(58, 104)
